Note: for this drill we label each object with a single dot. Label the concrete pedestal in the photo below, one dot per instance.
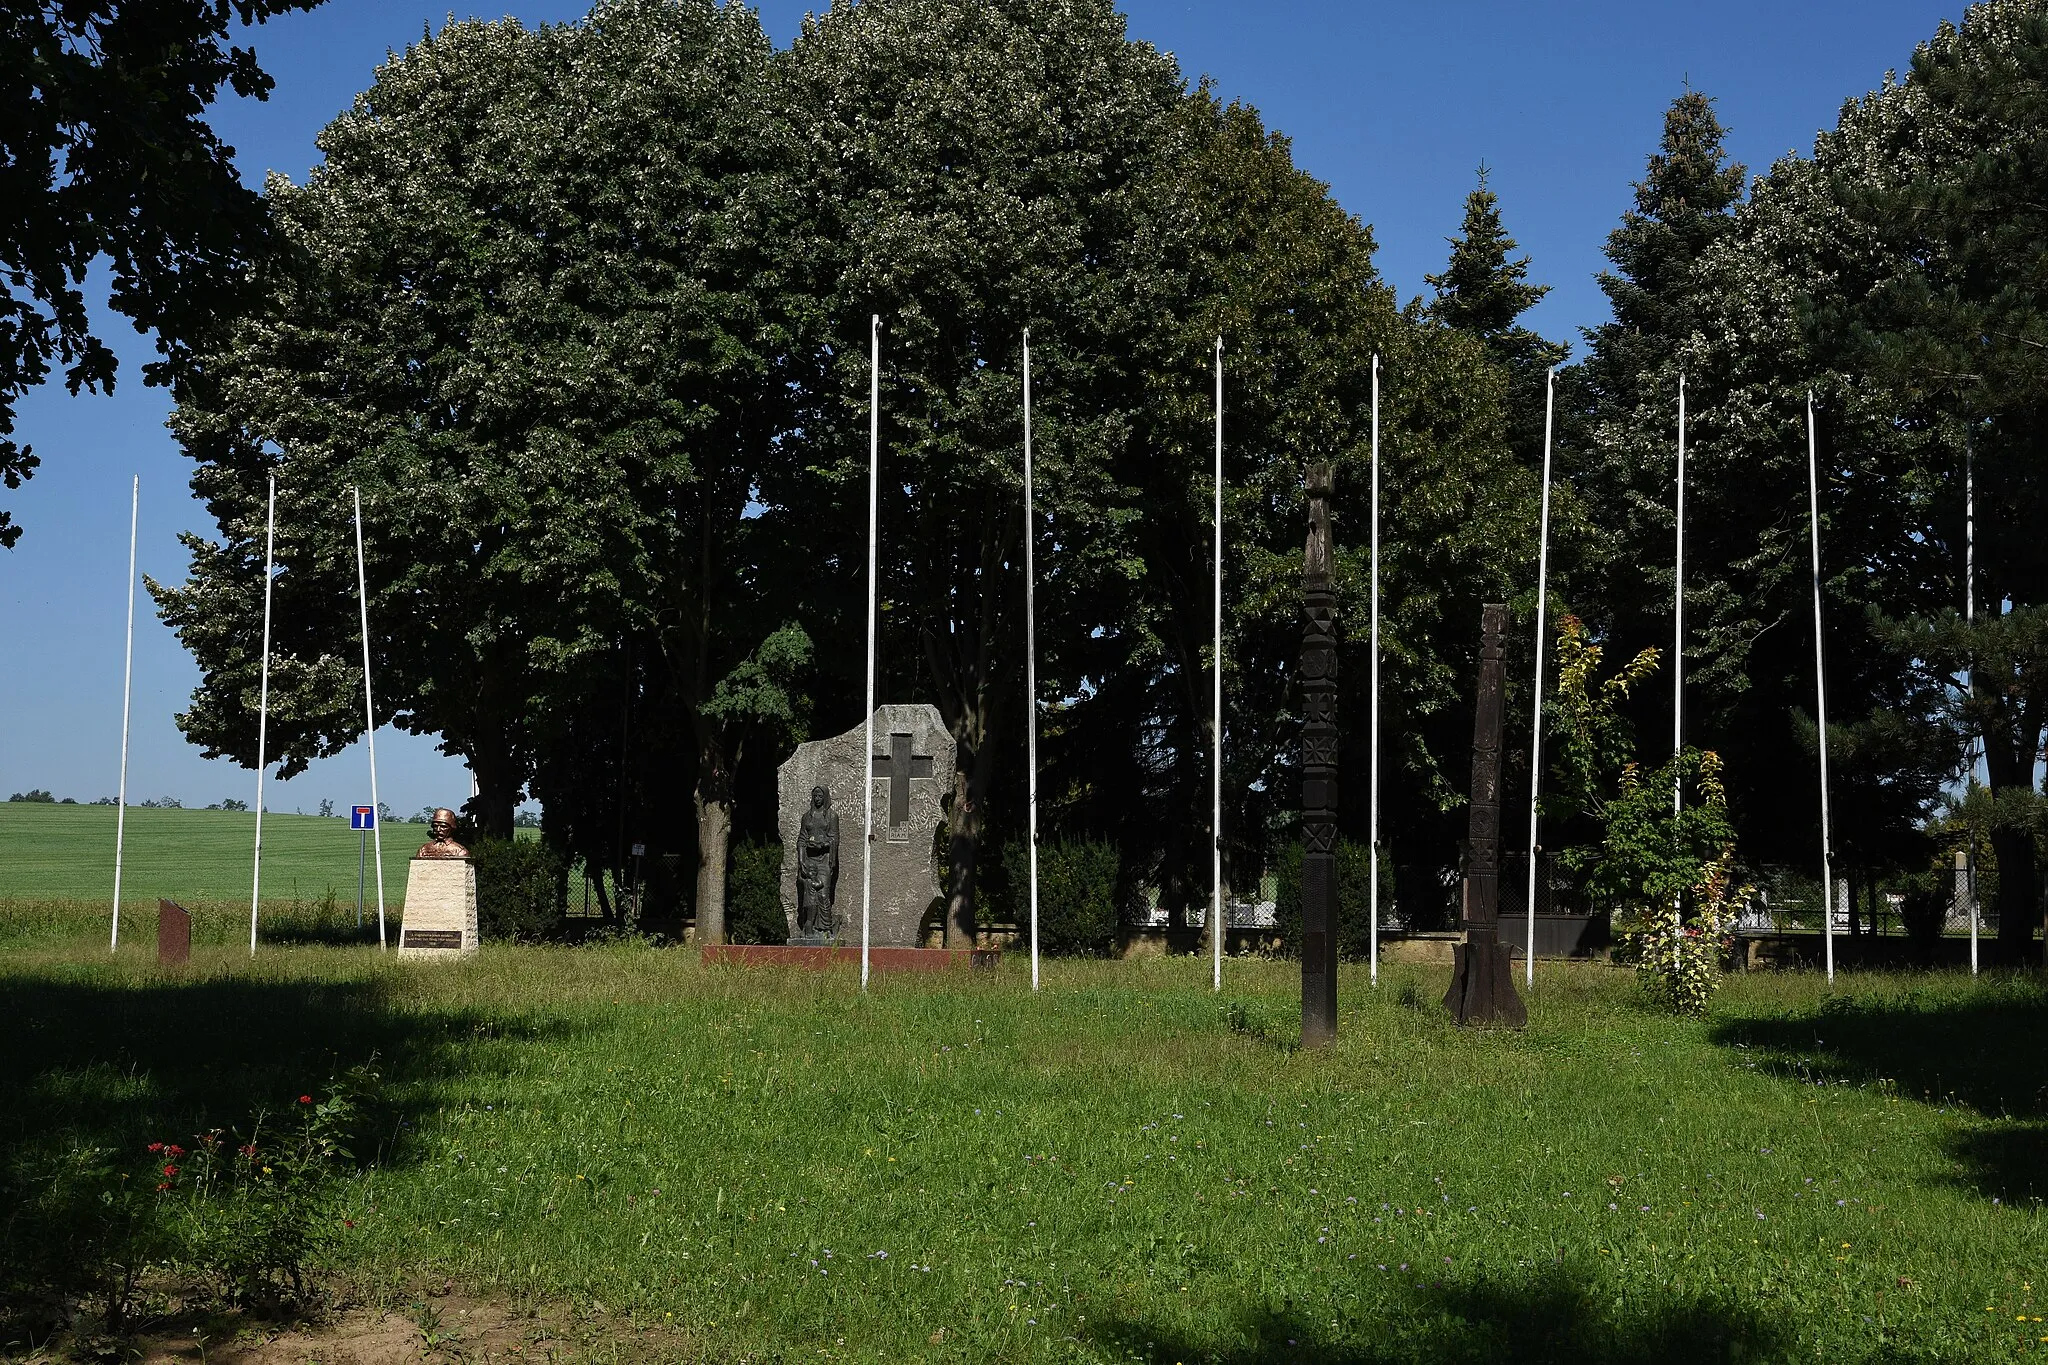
(440, 909)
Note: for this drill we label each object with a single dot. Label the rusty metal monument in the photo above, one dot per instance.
(1483, 980)
(1318, 771)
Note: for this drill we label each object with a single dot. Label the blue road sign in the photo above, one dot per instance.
(362, 817)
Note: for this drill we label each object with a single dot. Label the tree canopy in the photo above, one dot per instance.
(105, 157)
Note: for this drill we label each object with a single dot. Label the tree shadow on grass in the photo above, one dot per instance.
(1554, 1315)
(1985, 1049)
(115, 1065)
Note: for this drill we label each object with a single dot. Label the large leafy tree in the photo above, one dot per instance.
(971, 168)
(1945, 175)
(521, 316)
(105, 156)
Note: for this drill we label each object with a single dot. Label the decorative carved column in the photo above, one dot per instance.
(1318, 772)
(1483, 980)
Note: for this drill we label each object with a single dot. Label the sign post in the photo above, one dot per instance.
(362, 819)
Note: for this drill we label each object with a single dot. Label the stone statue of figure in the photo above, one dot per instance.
(817, 865)
(442, 845)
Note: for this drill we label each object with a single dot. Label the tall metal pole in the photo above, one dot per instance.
(1678, 619)
(1970, 618)
(1820, 682)
(1031, 658)
(127, 686)
(1542, 643)
(867, 782)
(263, 711)
(369, 723)
(1373, 858)
(1216, 708)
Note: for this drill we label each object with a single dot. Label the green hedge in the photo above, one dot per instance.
(753, 894)
(522, 889)
(1077, 895)
(1354, 897)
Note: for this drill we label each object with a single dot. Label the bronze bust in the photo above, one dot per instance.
(443, 844)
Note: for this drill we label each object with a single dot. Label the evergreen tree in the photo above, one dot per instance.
(1481, 292)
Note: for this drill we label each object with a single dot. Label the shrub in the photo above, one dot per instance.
(259, 1204)
(1077, 895)
(1354, 897)
(39, 796)
(522, 889)
(753, 894)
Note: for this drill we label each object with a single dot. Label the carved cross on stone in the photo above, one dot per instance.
(899, 766)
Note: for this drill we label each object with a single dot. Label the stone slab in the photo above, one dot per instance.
(909, 807)
(440, 909)
(173, 934)
(819, 958)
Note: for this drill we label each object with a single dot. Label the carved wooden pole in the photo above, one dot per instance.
(1318, 772)
(1483, 980)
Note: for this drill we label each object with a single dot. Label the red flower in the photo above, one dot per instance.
(175, 1150)
(348, 1222)
(164, 1185)
(249, 1150)
(156, 1146)
(170, 1170)
(305, 1099)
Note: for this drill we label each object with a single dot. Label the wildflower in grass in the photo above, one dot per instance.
(305, 1099)
(156, 1147)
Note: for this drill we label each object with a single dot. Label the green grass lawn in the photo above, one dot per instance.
(729, 1164)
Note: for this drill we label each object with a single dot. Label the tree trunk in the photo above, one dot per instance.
(497, 791)
(714, 839)
(963, 849)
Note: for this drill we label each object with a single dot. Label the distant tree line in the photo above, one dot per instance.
(583, 311)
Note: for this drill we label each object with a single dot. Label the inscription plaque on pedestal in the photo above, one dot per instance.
(440, 908)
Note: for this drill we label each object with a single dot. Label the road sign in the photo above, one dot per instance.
(639, 850)
(362, 817)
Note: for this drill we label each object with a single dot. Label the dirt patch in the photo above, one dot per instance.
(441, 1329)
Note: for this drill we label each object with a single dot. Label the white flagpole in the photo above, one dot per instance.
(1678, 619)
(1970, 618)
(1536, 721)
(1031, 658)
(1216, 737)
(1820, 682)
(127, 685)
(1373, 857)
(867, 783)
(370, 719)
(263, 712)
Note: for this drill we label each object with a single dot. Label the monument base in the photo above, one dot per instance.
(440, 909)
(817, 957)
(1483, 985)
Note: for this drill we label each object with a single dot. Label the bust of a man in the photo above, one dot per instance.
(443, 844)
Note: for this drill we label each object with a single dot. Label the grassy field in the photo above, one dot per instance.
(189, 856)
(726, 1164)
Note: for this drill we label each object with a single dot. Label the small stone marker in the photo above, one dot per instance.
(440, 896)
(911, 769)
(173, 934)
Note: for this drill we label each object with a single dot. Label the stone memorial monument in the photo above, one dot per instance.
(1483, 976)
(1318, 771)
(820, 797)
(440, 896)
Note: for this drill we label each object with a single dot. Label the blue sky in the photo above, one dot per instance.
(1394, 106)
